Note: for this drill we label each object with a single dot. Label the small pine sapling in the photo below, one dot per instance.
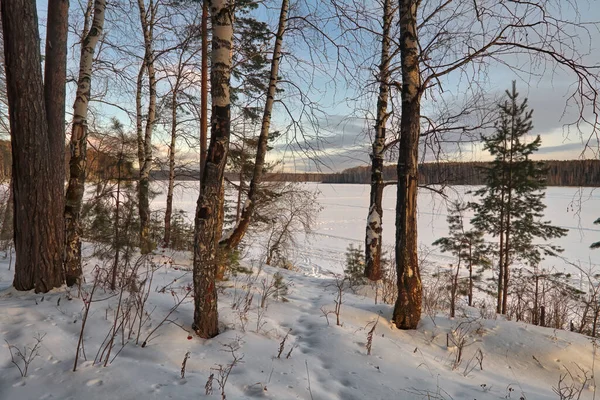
(355, 265)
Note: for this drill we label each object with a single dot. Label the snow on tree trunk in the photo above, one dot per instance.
(208, 206)
(78, 145)
(373, 239)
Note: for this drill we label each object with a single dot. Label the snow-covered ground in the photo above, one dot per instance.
(326, 361)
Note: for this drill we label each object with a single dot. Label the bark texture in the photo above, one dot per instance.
(373, 239)
(38, 197)
(204, 89)
(147, 19)
(78, 146)
(407, 310)
(208, 206)
(234, 239)
(55, 78)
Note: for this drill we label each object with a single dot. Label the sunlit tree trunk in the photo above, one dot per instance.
(208, 206)
(407, 310)
(78, 145)
(373, 239)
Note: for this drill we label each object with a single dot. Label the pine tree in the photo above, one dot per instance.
(511, 207)
(466, 245)
(355, 265)
(596, 244)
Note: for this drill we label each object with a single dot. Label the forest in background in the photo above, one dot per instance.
(559, 173)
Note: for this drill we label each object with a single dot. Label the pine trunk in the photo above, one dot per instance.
(55, 79)
(38, 189)
(147, 18)
(208, 206)
(373, 239)
(407, 310)
(78, 145)
(253, 192)
(509, 209)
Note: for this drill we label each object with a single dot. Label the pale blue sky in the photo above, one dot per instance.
(340, 121)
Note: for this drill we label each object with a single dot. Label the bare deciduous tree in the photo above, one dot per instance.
(79, 137)
(206, 240)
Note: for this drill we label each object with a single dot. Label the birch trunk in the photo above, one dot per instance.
(208, 206)
(169, 209)
(204, 88)
(78, 146)
(37, 192)
(407, 310)
(373, 239)
(234, 239)
(147, 19)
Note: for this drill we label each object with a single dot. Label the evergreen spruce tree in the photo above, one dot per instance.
(511, 207)
(596, 244)
(467, 246)
(355, 265)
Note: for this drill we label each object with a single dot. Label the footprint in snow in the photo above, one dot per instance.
(94, 382)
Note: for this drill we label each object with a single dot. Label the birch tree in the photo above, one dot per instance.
(144, 135)
(237, 234)
(78, 144)
(373, 239)
(209, 204)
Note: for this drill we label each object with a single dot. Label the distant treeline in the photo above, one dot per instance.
(560, 173)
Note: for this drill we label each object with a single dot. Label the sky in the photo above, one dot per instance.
(335, 135)
(546, 87)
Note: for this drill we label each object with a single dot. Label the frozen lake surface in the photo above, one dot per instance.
(342, 222)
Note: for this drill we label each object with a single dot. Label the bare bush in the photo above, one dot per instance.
(570, 386)
(223, 371)
(22, 359)
(341, 283)
(461, 337)
(272, 287)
